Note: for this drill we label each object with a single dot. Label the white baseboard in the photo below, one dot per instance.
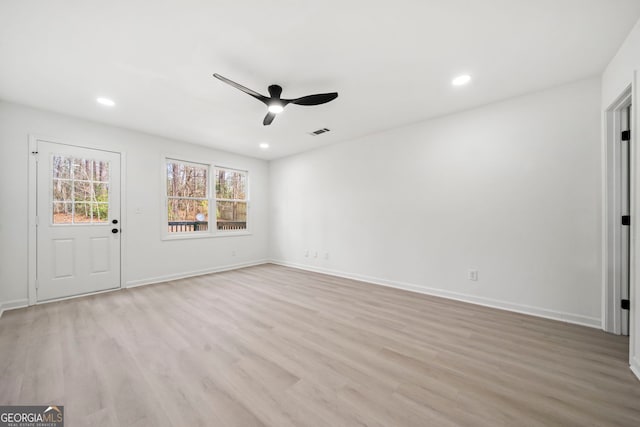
(593, 322)
(10, 305)
(184, 275)
(635, 366)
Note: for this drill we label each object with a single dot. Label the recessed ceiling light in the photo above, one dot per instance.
(264, 145)
(105, 101)
(461, 80)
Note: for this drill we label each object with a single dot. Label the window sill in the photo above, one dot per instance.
(205, 235)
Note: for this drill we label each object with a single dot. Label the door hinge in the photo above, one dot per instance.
(626, 135)
(626, 220)
(624, 304)
(37, 284)
(37, 222)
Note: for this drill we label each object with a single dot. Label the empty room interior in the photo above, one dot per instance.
(335, 213)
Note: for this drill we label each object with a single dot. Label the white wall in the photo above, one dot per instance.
(619, 75)
(148, 258)
(511, 189)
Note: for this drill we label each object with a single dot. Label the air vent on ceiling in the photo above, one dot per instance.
(319, 132)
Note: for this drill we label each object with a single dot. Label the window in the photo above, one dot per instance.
(192, 188)
(187, 197)
(231, 199)
(80, 190)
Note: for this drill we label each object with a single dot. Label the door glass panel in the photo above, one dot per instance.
(100, 212)
(81, 213)
(62, 213)
(80, 190)
(101, 192)
(100, 171)
(82, 169)
(61, 167)
(62, 190)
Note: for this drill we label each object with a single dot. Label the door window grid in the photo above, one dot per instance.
(80, 190)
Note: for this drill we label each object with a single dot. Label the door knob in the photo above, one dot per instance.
(114, 230)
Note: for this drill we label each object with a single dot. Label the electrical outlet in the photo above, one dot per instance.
(326, 255)
(233, 253)
(315, 254)
(306, 253)
(473, 275)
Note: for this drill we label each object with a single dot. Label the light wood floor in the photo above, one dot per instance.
(275, 346)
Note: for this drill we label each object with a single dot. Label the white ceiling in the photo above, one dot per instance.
(391, 62)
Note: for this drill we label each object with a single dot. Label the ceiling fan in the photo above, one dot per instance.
(274, 103)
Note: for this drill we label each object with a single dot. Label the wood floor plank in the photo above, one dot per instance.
(275, 346)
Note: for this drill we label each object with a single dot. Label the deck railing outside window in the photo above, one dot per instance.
(186, 226)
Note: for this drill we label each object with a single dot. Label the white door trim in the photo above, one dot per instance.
(32, 211)
(611, 311)
(32, 264)
(634, 329)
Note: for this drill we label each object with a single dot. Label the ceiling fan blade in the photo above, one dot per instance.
(268, 119)
(242, 88)
(317, 99)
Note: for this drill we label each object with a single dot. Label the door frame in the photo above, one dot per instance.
(611, 238)
(32, 260)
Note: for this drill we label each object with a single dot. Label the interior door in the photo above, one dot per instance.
(78, 220)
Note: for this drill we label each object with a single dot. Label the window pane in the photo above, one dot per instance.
(186, 180)
(61, 167)
(100, 171)
(231, 184)
(82, 169)
(82, 213)
(231, 215)
(82, 191)
(61, 190)
(101, 192)
(100, 212)
(187, 204)
(199, 182)
(187, 215)
(62, 213)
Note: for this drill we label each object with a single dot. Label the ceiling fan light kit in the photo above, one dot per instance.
(275, 104)
(275, 108)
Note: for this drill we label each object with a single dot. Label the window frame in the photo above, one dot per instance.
(212, 227)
